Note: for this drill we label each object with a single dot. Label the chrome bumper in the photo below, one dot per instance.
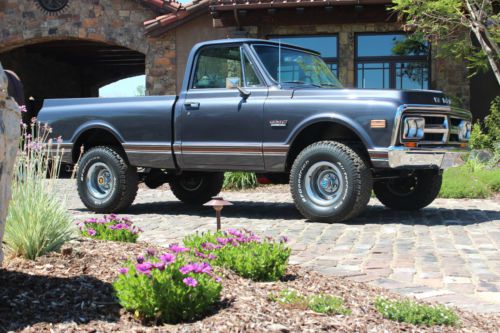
(401, 157)
(417, 158)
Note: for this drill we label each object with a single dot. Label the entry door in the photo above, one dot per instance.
(220, 126)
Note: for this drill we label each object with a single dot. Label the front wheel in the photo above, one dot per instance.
(197, 187)
(106, 182)
(409, 193)
(330, 182)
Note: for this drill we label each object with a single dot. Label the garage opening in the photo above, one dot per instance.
(70, 68)
(129, 87)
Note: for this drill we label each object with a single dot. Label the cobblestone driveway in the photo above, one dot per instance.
(449, 252)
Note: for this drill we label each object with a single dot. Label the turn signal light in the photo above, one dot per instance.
(463, 145)
(410, 144)
(378, 123)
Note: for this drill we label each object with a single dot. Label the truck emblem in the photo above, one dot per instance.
(278, 123)
(442, 100)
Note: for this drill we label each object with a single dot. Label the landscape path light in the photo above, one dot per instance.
(218, 203)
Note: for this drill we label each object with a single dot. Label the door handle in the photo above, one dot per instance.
(192, 105)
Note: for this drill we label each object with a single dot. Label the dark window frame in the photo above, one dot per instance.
(242, 49)
(328, 60)
(391, 60)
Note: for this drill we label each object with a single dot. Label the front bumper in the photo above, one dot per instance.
(418, 158)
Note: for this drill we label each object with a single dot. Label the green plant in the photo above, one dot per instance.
(322, 303)
(243, 252)
(37, 221)
(486, 135)
(167, 288)
(111, 228)
(472, 180)
(418, 314)
(239, 180)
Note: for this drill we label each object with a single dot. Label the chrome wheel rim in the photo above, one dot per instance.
(100, 181)
(324, 183)
(191, 183)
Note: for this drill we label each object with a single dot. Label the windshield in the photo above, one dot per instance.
(287, 65)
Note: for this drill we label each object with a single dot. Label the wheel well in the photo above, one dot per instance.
(93, 138)
(326, 131)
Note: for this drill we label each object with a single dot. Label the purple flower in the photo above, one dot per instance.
(119, 226)
(140, 259)
(235, 233)
(283, 239)
(22, 108)
(211, 257)
(167, 258)
(151, 252)
(186, 269)
(210, 246)
(144, 268)
(91, 232)
(200, 255)
(123, 270)
(91, 220)
(190, 282)
(176, 248)
(223, 241)
(159, 265)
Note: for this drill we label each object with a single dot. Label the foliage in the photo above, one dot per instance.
(243, 252)
(239, 180)
(472, 180)
(489, 138)
(418, 314)
(456, 24)
(167, 287)
(37, 221)
(322, 303)
(110, 228)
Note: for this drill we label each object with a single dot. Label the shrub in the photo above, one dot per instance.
(243, 252)
(487, 135)
(480, 182)
(239, 180)
(111, 228)
(167, 287)
(418, 314)
(322, 303)
(37, 221)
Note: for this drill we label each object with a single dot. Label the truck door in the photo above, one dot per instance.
(220, 125)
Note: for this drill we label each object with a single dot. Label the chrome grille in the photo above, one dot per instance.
(439, 129)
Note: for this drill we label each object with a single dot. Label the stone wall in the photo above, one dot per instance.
(116, 22)
(9, 138)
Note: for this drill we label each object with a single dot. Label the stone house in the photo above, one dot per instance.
(70, 48)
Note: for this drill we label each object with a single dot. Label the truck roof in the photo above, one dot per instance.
(252, 41)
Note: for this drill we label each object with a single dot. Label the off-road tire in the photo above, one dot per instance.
(355, 174)
(425, 190)
(125, 180)
(211, 185)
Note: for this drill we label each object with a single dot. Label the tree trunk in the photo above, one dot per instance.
(10, 118)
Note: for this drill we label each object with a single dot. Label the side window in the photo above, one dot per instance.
(251, 78)
(218, 67)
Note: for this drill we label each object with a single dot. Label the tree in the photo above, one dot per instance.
(449, 21)
(140, 90)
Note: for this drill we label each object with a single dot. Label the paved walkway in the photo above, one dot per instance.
(449, 252)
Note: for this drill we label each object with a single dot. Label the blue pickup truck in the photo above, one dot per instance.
(274, 109)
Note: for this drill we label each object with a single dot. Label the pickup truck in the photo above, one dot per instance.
(269, 108)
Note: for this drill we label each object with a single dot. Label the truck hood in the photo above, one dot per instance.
(400, 97)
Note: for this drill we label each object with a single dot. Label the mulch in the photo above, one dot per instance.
(71, 291)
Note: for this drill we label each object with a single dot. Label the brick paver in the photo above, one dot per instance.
(448, 252)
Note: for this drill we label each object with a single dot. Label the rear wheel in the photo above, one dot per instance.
(409, 193)
(197, 187)
(106, 183)
(330, 182)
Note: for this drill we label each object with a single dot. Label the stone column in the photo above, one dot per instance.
(10, 118)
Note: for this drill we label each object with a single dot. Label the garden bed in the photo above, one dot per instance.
(71, 291)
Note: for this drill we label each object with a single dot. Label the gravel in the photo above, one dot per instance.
(71, 291)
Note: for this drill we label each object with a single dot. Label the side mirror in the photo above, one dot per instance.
(234, 83)
(243, 92)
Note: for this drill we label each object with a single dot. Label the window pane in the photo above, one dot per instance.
(389, 45)
(216, 66)
(373, 75)
(412, 75)
(326, 45)
(334, 68)
(251, 78)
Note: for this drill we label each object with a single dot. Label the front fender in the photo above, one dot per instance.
(332, 118)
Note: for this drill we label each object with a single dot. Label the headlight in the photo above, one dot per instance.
(413, 128)
(464, 130)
